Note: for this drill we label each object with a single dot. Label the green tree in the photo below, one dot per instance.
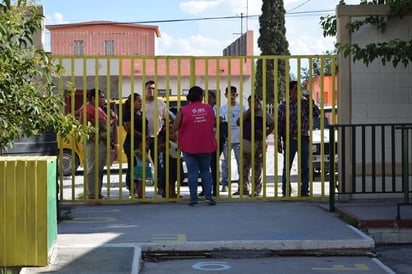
(272, 41)
(319, 65)
(395, 50)
(28, 105)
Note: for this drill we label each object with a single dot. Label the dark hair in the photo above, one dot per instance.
(127, 105)
(292, 84)
(173, 110)
(213, 93)
(195, 94)
(148, 83)
(92, 93)
(232, 89)
(257, 97)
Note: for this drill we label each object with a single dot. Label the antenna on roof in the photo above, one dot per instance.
(247, 14)
(241, 19)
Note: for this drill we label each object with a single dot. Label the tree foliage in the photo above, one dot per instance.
(395, 50)
(28, 105)
(272, 41)
(319, 65)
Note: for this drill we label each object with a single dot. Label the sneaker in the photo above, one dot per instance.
(210, 201)
(201, 194)
(224, 188)
(236, 193)
(194, 204)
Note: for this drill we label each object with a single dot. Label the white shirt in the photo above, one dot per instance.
(234, 115)
(150, 116)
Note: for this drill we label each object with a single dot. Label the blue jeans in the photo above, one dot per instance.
(198, 163)
(304, 163)
(236, 149)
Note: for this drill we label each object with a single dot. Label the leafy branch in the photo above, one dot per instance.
(28, 105)
(395, 51)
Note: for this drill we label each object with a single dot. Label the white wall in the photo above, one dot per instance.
(381, 93)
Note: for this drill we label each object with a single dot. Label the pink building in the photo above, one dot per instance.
(102, 38)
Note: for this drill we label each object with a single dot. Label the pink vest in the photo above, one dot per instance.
(196, 133)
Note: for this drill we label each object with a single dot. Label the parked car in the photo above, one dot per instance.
(317, 144)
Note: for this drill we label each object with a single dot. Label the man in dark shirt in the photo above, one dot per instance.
(289, 137)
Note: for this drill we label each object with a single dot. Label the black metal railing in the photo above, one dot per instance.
(372, 159)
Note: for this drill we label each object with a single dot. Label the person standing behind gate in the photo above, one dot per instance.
(259, 144)
(213, 163)
(235, 109)
(197, 141)
(94, 165)
(153, 128)
(136, 135)
(294, 136)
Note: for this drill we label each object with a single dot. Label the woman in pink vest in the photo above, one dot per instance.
(197, 141)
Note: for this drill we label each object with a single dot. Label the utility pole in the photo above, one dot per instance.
(247, 14)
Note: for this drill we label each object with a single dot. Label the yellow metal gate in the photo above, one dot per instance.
(119, 76)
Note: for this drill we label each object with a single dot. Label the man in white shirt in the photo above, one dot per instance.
(234, 112)
(155, 110)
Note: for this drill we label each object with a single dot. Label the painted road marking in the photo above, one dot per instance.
(211, 266)
(341, 267)
(159, 238)
(90, 220)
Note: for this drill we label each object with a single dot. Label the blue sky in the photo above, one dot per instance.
(201, 37)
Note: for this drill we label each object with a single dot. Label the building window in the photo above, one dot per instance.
(78, 47)
(109, 47)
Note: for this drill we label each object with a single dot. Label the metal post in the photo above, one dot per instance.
(332, 184)
(405, 164)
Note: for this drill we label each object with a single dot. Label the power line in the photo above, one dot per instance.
(229, 17)
(313, 12)
(298, 6)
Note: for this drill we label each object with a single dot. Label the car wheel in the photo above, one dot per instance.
(67, 163)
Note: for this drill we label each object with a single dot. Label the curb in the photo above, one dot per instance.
(365, 244)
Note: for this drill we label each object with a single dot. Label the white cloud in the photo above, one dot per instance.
(192, 45)
(222, 7)
(301, 40)
(307, 45)
(236, 7)
(56, 18)
(196, 7)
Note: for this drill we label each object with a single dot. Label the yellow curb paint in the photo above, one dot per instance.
(157, 238)
(90, 220)
(356, 267)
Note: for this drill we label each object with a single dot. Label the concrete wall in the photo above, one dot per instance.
(375, 93)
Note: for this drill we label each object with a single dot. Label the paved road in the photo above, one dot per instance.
(383, 259)
(289, 265)
(397, 257)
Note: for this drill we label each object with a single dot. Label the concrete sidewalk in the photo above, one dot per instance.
(111, 238)
(385, 221)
